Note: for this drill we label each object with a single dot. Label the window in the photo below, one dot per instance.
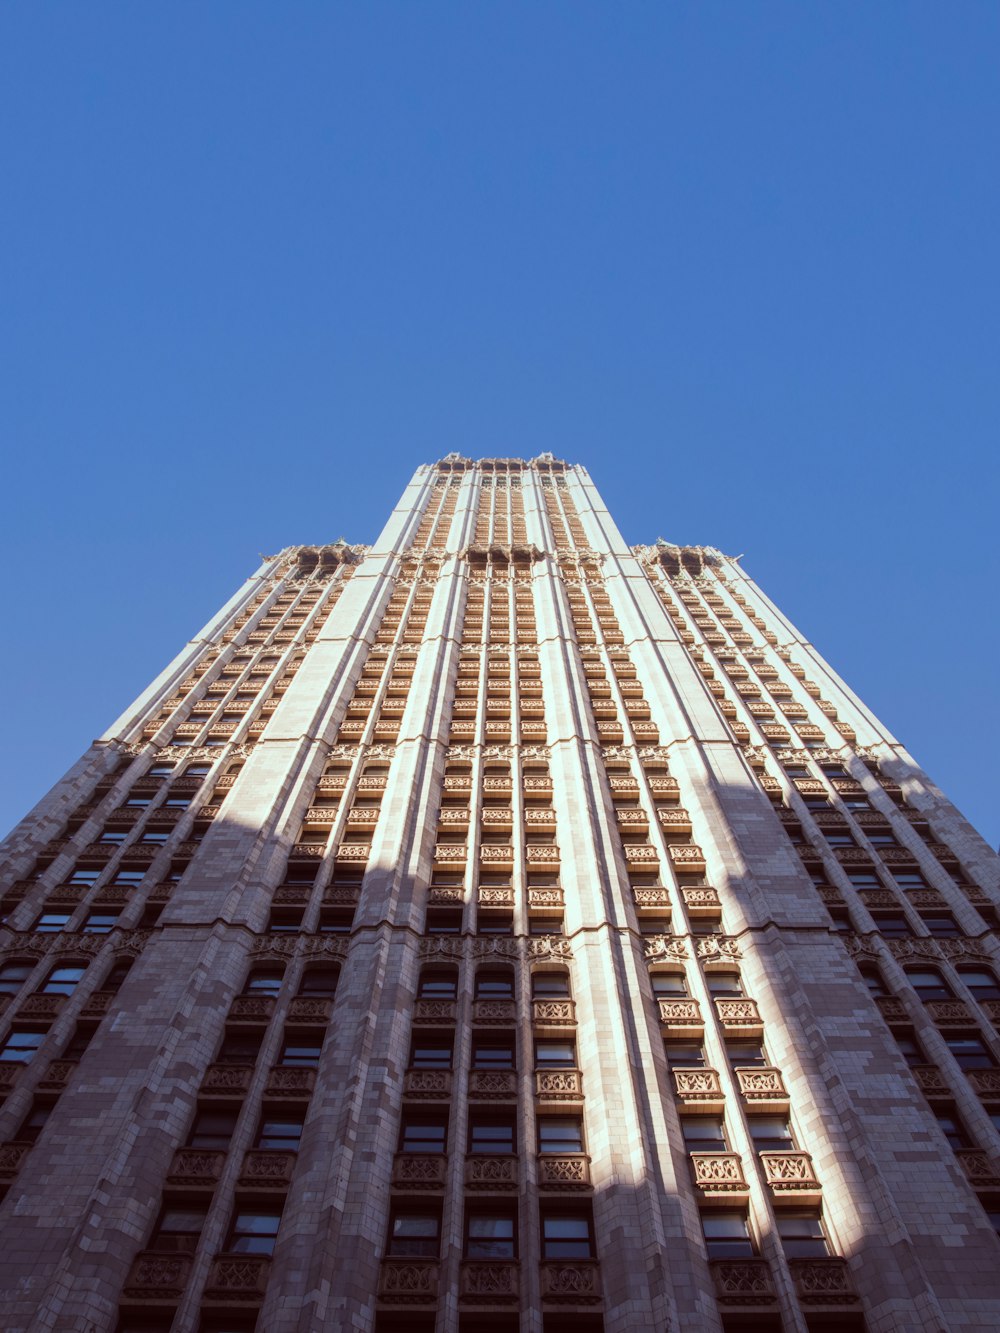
(872, 978)
(428, 1053)
(279, 1132)
(493, 1054)
(684, 1054)
(264, 981)
(21, 1046)
(723, 984)
(802, 1235)
(152, 838)
(911, 1050)
(982, 983)
(178, 1228)
(100, 923)
(771, 1133)
(414, 1234)
(555, 1055)
(238, 1049)
(489, 1234)
(443, 922)
(494, 1137)
(83, 876)
(212, 1129)
(550, 986)
(953, 1130)
(33, 1123)
(495, 923)
(970, 1052)
(302, 1052)
(727, 1234)
(13, 976)
(881, 838)
(560, 1134)
(253, 1233)
(50, 922)
(160, 771)
(893, 925)
(909, 879)
(669, 985)
(494, 986)
(130, 878)
(940, 923)
(320, 982)
(177, 802)
(838, 837)
(197, 770)
(114, 836)
(423, 1135)
(704, 1133)
(567, 1235)
(746, 1055)
(437, 986)
(928, 983)
(63, 980)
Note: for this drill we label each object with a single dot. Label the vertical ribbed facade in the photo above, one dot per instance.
(499, 928)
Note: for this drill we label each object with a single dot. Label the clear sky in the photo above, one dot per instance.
(257, 261)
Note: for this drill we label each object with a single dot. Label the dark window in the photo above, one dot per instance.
(727, 1234)
(100, 923)
(722, 984)
(669, 985)
(424, 1136)
(494, 986)
(253, 1233)
(771, 1133)
(970, 1052)
(684, 1054)
(704, 1133)
(320, 982)
(429, 1054)
(802, 1235)
(303, 1052)
(982, 983)
(928, 983)
(238, 1049)
(33, 1123)
(13, 976)
(63, 980)
(555, 1055)
(264, 981)
(437, 986)
(178, 1228)
(893, 925)
(560, 1134)
(50, 922)
(493, 1138)
(489, 1234)
(567, 1235)
(953, 1129)
(212, 1129)
(746, 1055)
(493, 1054)
(280, 1132)
(443, 922)
(940, 923)
(414, 1234)
(911, 1050)
(550, 985)
(21, 1046)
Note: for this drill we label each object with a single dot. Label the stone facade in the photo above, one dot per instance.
(499, 927)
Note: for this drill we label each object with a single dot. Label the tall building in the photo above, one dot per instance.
(499, 928)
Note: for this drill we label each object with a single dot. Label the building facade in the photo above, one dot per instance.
(499, 928)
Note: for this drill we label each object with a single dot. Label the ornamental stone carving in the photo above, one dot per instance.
(743, 1282)
(718, 1172)
(577, 1282)
(487, 1172)
(723, 948)
(664, 948)
(543, 947)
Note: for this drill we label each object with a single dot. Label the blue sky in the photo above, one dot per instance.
(741, 260)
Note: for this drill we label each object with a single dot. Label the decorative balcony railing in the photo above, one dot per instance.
(576, 1282)
(408, 1281)
(492, 1282)
(419, 1171)
(488, 1172)
(563, 1171)
(719, 1173)
(558, 1085)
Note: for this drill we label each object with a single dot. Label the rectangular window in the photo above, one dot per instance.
(51, 922)
(414, 1235)
(212, 1129)
(555, 1055)
(21, 1046)
(493, 1055)
(560, 1134)
(280, 1133)
(492, 1138)
(489, 1235)
(802, 1235)
(423, 1136)
(253, 1233)
(727, 1235)
(100, 923)
(427, 1054)
(567, 1236)
(303, 1052)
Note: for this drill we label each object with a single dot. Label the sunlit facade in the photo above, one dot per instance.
(497, 928)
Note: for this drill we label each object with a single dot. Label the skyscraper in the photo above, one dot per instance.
(499, 927)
